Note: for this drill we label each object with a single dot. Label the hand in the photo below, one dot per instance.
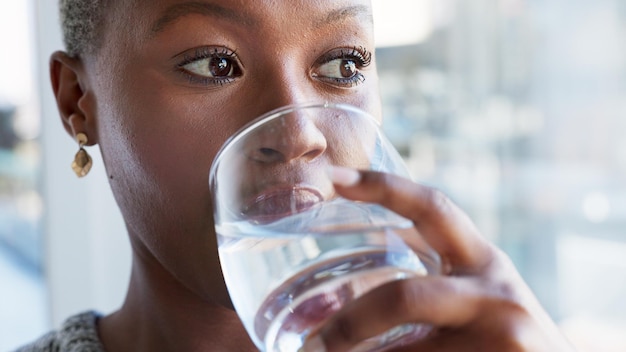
(479, 304)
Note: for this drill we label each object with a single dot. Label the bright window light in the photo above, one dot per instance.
(402, 22)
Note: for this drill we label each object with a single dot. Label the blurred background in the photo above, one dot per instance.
(515, 108)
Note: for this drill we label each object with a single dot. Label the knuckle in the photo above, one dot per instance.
(438, 202)
(510, 324)
(516, 336)
(500, 258)
(504, 295)
(507, 292)
(504, 284)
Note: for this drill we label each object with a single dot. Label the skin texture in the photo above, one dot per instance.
(159, 127)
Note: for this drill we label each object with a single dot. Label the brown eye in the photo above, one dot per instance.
(338, 68)
(215, 67)
(348, 68)
(342, 67)
(209, 65)
(220, 67)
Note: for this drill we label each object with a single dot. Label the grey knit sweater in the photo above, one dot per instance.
(77, 334)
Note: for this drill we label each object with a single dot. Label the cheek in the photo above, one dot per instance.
(157, 151)
(368, 97)
(158, 148)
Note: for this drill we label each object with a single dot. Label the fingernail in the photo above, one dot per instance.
(314, 344)
(344, 176)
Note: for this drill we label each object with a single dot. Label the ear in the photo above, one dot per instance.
(75, 100)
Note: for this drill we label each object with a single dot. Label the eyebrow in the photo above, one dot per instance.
(174, 12)
(343, 13)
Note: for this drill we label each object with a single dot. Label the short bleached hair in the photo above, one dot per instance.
(81, 23)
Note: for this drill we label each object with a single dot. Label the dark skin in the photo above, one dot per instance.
(162, 93)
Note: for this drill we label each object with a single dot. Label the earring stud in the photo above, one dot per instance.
(82, 160)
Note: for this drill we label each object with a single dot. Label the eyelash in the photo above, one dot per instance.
(360, 55)
(207, 53)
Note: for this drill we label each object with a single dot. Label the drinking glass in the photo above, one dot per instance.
(293, 251)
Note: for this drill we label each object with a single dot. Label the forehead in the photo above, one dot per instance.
(156, 15)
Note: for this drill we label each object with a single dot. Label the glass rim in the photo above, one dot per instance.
(273, 114)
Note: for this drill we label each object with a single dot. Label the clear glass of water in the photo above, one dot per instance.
(293, 252)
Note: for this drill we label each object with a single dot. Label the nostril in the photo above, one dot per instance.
(313, 154)
(267, 151)
(269, 155)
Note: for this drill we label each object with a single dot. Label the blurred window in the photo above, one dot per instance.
(517, 109)
(23, 309)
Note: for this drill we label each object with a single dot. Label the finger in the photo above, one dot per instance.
(432, 300)
(442, 224)
(496, 332)
(454, 341)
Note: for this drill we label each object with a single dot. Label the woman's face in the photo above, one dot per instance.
(175, 78)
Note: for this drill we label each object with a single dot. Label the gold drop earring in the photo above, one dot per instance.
(82, 161)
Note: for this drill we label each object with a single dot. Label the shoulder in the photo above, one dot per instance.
(78, 333)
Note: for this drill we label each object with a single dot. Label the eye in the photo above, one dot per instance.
(342, 67)
(210, 65)
(338, 68)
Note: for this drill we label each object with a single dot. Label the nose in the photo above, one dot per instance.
(292, 136)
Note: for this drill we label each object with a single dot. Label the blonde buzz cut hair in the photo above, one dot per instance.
(81, 22)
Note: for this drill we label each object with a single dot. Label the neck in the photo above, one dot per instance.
(161, 314)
